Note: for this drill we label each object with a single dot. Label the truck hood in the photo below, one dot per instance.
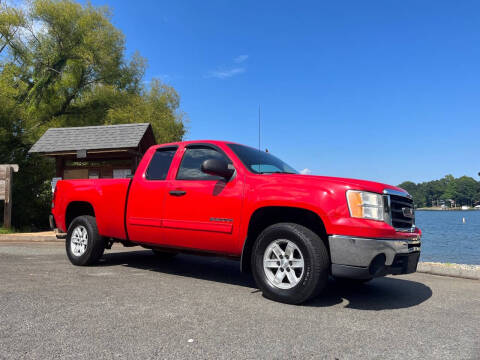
(354, 184)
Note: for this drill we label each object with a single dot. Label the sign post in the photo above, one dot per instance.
(6, 178)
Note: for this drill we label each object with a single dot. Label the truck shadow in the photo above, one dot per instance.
(385, 293)
(379, 294)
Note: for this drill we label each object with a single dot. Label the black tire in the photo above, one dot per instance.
(316, 263)
(164, 255)
(95, 244)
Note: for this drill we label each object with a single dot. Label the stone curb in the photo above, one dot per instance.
(30, 237)
(447, 269)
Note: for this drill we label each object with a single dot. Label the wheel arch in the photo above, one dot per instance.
(77, 208)
(269, 215)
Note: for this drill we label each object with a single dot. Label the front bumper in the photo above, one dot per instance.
(363, 258)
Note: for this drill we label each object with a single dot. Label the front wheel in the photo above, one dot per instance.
(84, 245)
(290, 263)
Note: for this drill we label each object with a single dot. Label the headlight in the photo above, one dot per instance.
(365, 205)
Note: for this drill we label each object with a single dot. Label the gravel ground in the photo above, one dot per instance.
(132, 306)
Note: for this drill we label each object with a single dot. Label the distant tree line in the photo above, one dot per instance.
(448, 190)
(64, 64)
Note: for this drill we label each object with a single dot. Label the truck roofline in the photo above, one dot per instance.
(179, 143)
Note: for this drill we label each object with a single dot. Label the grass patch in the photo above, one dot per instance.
(5, 231)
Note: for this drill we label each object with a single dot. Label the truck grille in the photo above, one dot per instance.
(402, 212)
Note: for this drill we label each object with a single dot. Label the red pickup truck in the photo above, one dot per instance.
(291, 231)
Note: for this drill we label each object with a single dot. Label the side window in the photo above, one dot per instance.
(160, 163)
(190, 168)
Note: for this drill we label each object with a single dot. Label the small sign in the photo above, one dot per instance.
(81, 154)
(54, 183)
(3, 169)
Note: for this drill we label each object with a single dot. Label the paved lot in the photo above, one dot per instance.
(132, 306)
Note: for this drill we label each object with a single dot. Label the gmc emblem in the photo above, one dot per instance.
(407, 212)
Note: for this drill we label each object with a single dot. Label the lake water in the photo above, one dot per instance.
(447, 239)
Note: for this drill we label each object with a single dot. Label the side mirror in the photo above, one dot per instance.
(218, 168)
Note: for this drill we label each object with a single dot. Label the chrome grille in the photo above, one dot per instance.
(402, 212)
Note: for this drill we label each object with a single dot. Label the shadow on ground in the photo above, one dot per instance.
(378, 294)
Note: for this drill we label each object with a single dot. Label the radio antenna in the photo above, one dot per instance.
(259, 128)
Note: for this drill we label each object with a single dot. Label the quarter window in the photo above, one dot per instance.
(161, 160)
(191, 166)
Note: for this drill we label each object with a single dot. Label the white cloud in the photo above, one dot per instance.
(306, 171)
(240, 59)
(226, 73)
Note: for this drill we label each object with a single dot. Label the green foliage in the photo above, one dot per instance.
(63, 64)
(157, 105)
(463, 190)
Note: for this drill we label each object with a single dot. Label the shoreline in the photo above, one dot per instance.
(446, 209)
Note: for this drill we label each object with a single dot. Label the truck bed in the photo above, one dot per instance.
(107, 196)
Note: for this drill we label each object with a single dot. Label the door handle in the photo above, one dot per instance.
(177, 192)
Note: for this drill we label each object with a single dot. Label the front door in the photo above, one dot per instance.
(202, 211)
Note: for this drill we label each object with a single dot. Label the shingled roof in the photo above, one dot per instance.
(91, 138)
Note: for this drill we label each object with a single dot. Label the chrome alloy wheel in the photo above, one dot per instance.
(79, 241)
(283, 264)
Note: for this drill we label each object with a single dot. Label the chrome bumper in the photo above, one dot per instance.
(358, 257)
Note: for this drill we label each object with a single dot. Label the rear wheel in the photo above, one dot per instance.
(84, 245)
(290, 263)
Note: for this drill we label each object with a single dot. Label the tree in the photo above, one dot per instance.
(414, 190)
(464, 190)
(63, 64)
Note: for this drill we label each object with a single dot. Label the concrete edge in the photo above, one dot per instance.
(30, 237)
(453, 270)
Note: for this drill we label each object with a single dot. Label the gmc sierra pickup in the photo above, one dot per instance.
(291, 231)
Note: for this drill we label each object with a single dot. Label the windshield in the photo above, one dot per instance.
(260, 162)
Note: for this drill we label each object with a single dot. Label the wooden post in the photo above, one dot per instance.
(7, 209)
(59, 166)
(6, 180)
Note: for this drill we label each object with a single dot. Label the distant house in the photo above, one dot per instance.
(93, 152)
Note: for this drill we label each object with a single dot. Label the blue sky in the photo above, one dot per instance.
(379, 90)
